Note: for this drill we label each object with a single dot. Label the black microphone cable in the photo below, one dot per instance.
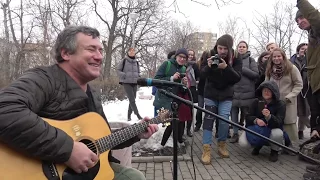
(192, 141)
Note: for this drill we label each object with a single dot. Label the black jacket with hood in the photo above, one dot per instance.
(276, 107)
(219, 83)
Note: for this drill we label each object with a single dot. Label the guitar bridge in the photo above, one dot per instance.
(50, 171)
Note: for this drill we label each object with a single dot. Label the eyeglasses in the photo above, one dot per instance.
(182, 57)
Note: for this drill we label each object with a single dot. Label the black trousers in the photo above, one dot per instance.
(168, 132)
(314, 103)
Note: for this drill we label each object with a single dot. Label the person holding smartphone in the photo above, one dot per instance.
(266, 116)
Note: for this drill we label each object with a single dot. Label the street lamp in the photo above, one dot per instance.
(133, 17)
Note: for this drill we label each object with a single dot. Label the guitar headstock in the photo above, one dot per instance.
(164, 115)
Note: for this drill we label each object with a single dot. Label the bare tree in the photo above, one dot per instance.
(21, 32)
(66, 12)
(218, 3)
(119, 30)
(278, 26)
(118, 12)
(178, 35)
(5, 46)
(236, 27)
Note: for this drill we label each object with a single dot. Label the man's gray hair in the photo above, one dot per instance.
(67, 39)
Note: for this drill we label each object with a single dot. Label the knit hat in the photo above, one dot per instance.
(225, 40)
(182, 51)
(298, 15)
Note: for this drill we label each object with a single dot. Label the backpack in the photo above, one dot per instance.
(183, 69)
(124, 62)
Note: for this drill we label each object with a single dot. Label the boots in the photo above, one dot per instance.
(234, 138)
(256, 151)
(196, 129)
(206, 154)
(300, 134)
(222, 149)
(273, 156)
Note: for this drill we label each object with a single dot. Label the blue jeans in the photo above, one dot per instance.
(222, 108)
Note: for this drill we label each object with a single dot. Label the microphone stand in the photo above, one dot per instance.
(175, 129)
(171, 95)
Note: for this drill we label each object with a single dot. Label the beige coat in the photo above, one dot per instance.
(290, 86)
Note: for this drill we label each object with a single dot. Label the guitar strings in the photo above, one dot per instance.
(94, 146)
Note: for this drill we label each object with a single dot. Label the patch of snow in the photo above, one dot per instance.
(117, 111)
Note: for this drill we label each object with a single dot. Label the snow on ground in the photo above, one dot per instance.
(118, 110)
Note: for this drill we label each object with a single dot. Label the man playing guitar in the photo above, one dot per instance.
(60, 91)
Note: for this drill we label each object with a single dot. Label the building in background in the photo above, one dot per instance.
(201, 41)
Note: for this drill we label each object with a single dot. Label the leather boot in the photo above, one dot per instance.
(273, 156)
(222, 149)
(206, 154)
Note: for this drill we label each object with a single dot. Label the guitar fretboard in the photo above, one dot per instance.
(120, 136)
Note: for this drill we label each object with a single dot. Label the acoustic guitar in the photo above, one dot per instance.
(89, 128)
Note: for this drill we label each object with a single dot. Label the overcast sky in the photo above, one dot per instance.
(207, 18)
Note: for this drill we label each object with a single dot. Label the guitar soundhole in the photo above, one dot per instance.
(69, 174)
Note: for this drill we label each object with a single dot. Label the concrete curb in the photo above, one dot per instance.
(159, 159)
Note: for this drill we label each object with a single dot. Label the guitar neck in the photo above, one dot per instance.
(108, 142)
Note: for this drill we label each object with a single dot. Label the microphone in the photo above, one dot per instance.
(156, 82)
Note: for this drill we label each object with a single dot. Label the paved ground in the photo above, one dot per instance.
(241, 165)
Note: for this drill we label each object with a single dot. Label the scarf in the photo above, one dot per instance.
(191, 74)
(277, 71)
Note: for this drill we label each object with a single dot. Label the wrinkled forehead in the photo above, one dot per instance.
(87, 40)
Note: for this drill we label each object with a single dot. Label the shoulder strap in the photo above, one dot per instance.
(167, 68)
(183, 69)
(123, 63)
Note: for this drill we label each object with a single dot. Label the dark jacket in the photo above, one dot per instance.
(161, 100)
(262, 73)
(303, 105)
(313, 53)
(276, 107)
(47, 92)
(244, 90)
(202, 78)
(220, 82)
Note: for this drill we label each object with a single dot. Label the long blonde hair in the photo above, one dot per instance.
(287, 65)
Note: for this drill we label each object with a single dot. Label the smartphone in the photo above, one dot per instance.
(261, 105)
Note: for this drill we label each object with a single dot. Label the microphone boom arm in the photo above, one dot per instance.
(171, 95)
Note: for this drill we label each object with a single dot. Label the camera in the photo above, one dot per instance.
(216, 60)
(182, 75)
